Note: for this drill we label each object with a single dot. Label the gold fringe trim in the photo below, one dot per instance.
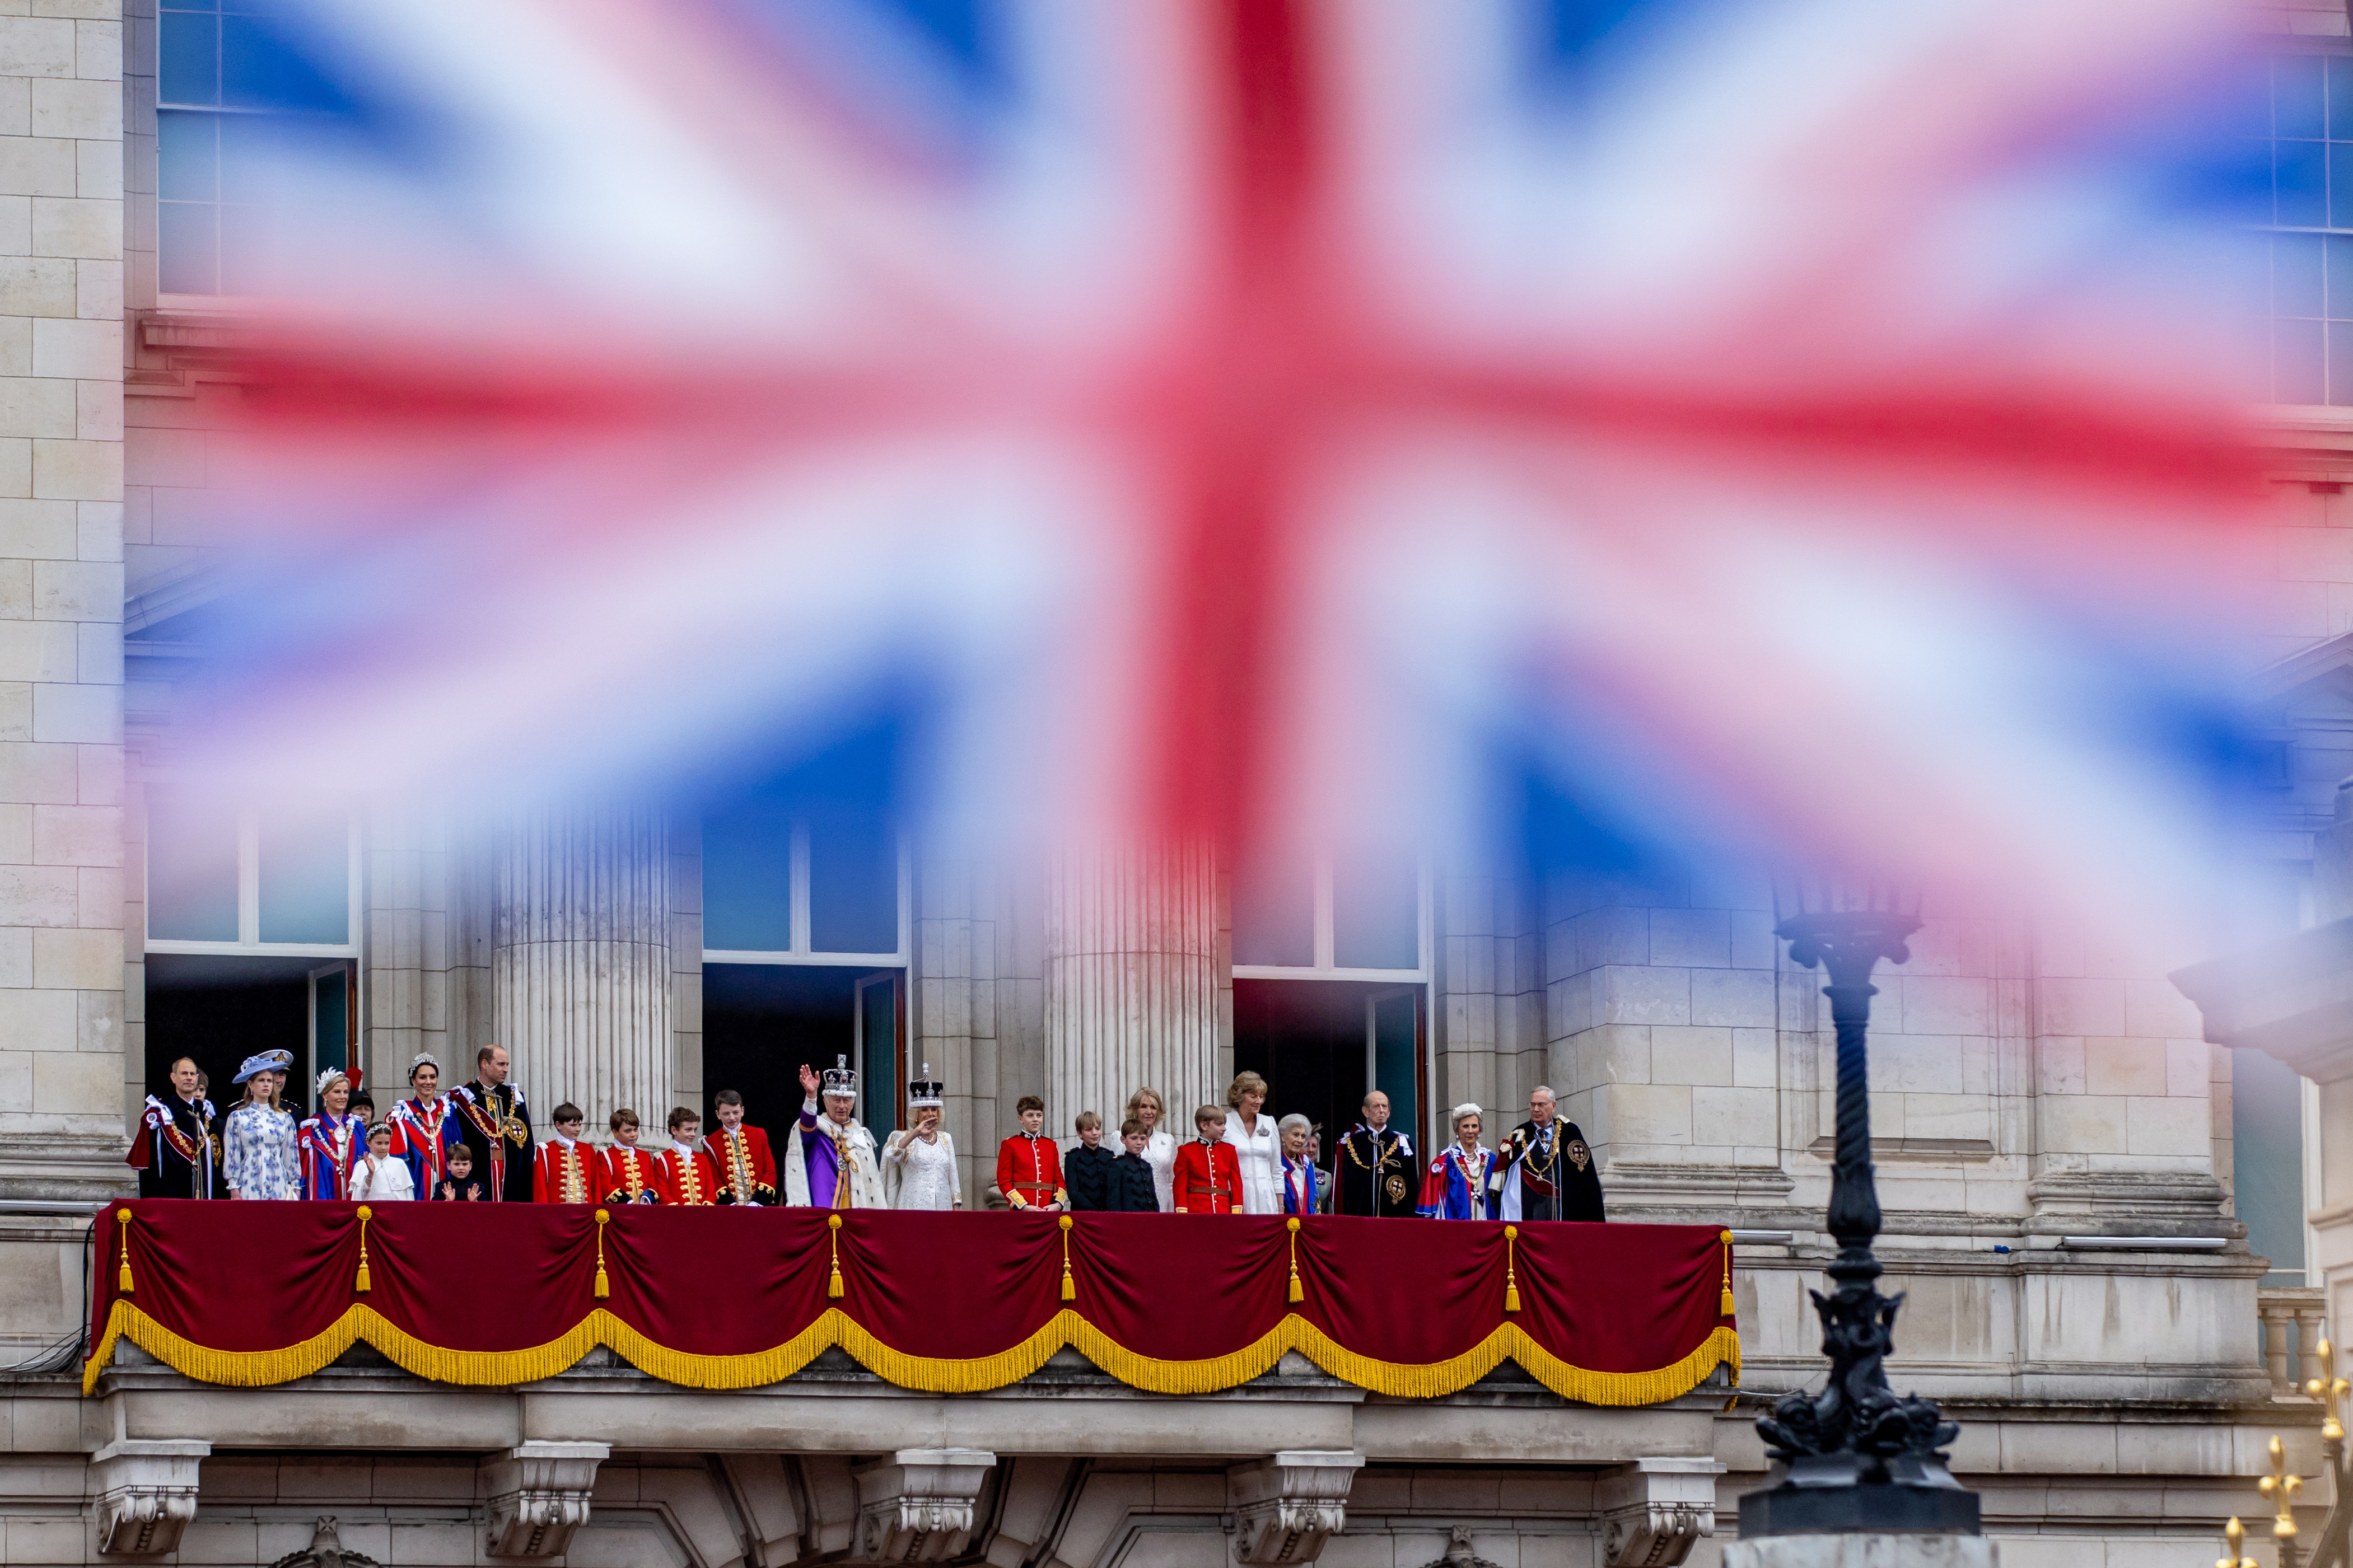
(257, 1369)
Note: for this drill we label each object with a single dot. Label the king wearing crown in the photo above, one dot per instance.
(829, 1159)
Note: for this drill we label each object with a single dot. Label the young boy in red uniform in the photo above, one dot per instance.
(747, 1172)
(563, 1168)
(689, 1178)
(1208, 1175)
(1029, 1164)
(625, 1173)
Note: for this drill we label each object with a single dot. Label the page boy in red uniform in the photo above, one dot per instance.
(563, 1168)
(747, 1172)
(625, 1173)
(1207, 1177)
(1029, 1164)
(689, 1178)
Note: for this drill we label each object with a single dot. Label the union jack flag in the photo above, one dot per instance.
(1789, 426)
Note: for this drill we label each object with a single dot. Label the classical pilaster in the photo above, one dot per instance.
(917, 1505)
(1287, 1506)
(1654, 1511)
(143, 1493)
(583, 993)
(538, 1495)
(1131, 978)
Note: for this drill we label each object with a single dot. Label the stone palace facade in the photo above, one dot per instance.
(2098, 1240)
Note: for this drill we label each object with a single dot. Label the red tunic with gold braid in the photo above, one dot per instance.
(747, 1172)
(627, 1175)
(689, 1179)
(1030, 1171)
(563, 1173)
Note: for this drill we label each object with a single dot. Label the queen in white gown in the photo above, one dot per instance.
(920, 1165)
(1159, 1144)
(1252, 1133)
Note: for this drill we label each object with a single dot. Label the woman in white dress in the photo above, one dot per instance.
(920, 1165)
(1159, 1144)
(258, 1159)
(1253, 1133)
(380, 1176)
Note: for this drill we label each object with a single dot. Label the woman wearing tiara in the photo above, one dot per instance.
(330, 1142)
(919, 1167)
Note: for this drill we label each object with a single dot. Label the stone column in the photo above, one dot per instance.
(580, 958)
(1131, 981)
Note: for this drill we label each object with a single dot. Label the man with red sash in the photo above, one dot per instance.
(688, 1176)
(748, 1171)
(625, 1173)
(496, 1125)
(425, 1127)
(1029, 1164)
(564, 1169)
(1207, 1177)
(174, 1153)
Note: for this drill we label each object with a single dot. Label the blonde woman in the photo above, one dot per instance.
(1256, 1144)
(1159, 1144)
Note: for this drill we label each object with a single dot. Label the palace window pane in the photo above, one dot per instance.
(2267, 1164)
(187, 56)
(2300, 182)
(190, 868)
(2297, 105)
(1274, 913)
(306, 878)
(2297, 368)
(747, 881)
(1375, 909)
(1397, 1050)
(853, 882)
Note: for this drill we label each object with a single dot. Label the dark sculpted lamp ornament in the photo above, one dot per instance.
(1857, 1456)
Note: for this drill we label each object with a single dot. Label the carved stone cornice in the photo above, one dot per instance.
(1287, 1506)
(917, 1505)
(538, 1497)
(144, 1493)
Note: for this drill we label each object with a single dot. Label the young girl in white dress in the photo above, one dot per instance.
(1159, 1143)
(1253, 1133)
(380, 1176)
(920, 1165)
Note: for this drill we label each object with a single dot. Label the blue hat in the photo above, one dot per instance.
(267, 1061)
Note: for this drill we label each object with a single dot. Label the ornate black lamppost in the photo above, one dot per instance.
(1858, 1457)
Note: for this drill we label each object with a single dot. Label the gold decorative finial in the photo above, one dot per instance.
(2281, 1488)
(2234, 1536)
(2330, 1390)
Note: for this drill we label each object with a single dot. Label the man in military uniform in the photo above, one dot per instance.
(175, 1150)
(1544, 1170)
(1376, 1165)
(496, 1125)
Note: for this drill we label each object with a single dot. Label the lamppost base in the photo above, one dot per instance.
(1856, 1550)
(1827, 1494)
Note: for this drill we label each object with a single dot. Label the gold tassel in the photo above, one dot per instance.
(1511, 1268)
(361, 1287)
(1070, 1286)
(123, 1281)
(603, 1286)
(1292, 1225)
(833, 1240)
(1724, 1304)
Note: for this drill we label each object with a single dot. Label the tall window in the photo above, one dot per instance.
(2305, 123)
(1332, 970)
(226, 880)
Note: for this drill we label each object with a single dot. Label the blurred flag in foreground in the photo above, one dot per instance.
(1794, 427)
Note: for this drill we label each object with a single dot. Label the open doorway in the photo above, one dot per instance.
(1323, 1044)
(221, 1010)
(761, 1022)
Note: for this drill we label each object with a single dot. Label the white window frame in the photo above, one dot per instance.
(1324, 968)
(249, 902)
(799, 923)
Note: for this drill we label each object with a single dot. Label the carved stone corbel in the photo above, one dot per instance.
(539, 1495)
(917, 1505)
(145, 1493)
(1654, 1511)
(1286, 1506)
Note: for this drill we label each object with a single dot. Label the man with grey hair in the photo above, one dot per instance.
(1544, 1169)
(1375, 1165)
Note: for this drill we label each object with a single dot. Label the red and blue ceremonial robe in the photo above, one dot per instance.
(422, 1134)
(330, 1146)
(1455, 1186)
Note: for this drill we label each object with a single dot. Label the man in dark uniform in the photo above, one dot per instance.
(1376, 1165)
(1543, 1170)
(174, 1151)
(496, 1125)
